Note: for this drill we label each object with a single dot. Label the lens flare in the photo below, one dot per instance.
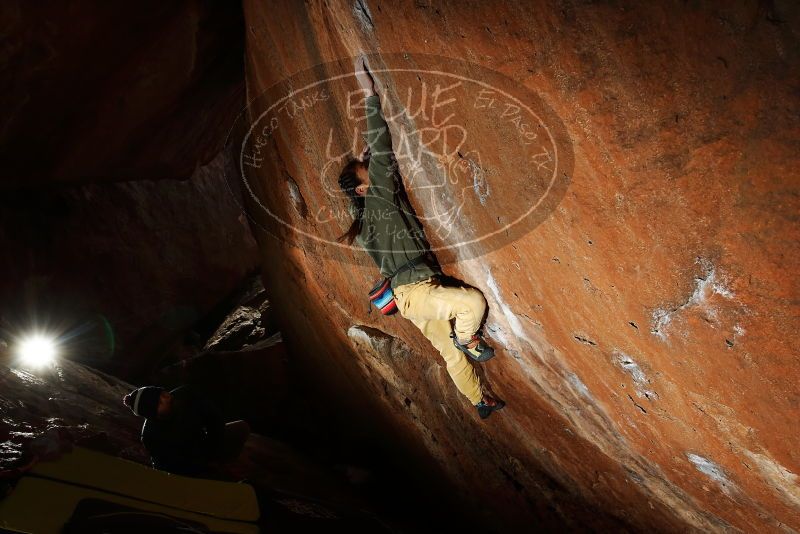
(37, 350)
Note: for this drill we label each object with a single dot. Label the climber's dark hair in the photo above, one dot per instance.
(348, 180)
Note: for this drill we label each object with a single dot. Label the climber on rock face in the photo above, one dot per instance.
(385, 227)
(184, 432)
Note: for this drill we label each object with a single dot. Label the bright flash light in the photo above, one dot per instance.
(37, 350)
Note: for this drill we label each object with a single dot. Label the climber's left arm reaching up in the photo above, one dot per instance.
(381, 161)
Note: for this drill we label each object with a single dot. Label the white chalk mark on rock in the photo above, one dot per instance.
(777, 477)
(298, 202)
(579, 386)
(479, 183)
(640, 380)
(513, 321)
(362, 13)
(705, 286)
(714, 472)
(496, 332)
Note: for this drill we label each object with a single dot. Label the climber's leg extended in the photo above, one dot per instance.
(460, 370)
(462, 373)
(428, 300)
(432, 315)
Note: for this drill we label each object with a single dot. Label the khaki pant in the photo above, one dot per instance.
(431, 307)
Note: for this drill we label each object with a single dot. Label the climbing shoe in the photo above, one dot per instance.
(487, 405)
(480, 352)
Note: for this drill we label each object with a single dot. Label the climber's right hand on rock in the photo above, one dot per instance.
(363, 76)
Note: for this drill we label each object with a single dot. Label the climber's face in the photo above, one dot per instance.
(362, 172)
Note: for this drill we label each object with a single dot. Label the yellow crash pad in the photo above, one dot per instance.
(226, 500)
(41, 506)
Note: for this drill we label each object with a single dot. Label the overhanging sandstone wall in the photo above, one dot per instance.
(646, 322)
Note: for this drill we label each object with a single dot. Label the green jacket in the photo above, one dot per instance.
(390, 232)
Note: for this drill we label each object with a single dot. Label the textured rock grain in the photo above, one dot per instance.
(646, 328)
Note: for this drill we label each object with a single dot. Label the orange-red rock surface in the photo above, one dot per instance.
(645, 320)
